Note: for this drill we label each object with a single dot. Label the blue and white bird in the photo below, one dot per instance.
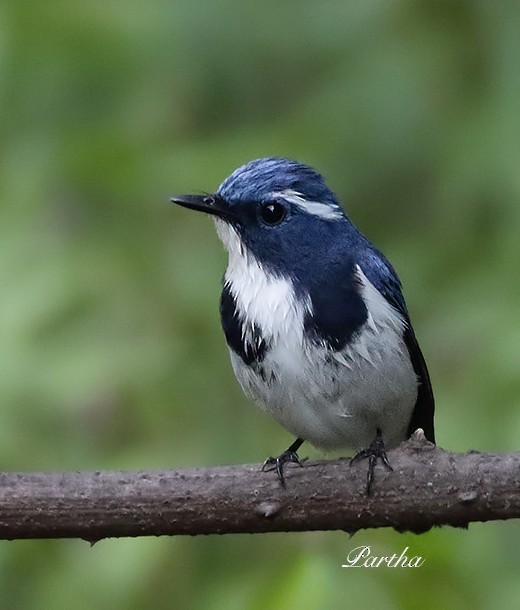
(314, 317)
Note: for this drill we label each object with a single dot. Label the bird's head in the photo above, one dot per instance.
(277, 210)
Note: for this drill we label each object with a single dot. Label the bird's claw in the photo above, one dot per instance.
(278, 463)
(376, 450)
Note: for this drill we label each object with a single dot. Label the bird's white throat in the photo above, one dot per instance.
(264, 300)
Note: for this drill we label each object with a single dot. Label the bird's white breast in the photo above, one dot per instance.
(332, 399)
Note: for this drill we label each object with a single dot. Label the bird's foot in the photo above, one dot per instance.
(278, 463)
(287, 456)
(375, 451)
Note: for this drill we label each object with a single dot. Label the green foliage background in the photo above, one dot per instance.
(111, 355)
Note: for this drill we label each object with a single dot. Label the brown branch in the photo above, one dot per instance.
(427, 487)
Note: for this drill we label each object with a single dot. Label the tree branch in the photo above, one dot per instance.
(427, 487)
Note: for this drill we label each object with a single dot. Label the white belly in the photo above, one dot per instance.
(336, 400)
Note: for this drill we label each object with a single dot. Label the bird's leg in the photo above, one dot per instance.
(289, 455)
(375, 451)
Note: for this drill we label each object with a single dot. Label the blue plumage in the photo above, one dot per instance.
(255, 181)
(313, 314)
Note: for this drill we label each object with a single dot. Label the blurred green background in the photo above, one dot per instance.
(111, 354)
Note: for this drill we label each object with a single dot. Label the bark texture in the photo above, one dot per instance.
(427, 487)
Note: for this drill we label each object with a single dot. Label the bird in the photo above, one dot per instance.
(317, 327)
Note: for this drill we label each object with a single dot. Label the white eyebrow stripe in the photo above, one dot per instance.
(323, 210)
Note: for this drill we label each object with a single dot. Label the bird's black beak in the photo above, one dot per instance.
(211, 204)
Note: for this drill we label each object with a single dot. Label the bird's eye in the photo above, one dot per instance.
(272, 213)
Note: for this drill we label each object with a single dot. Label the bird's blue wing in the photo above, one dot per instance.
(383, 277)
